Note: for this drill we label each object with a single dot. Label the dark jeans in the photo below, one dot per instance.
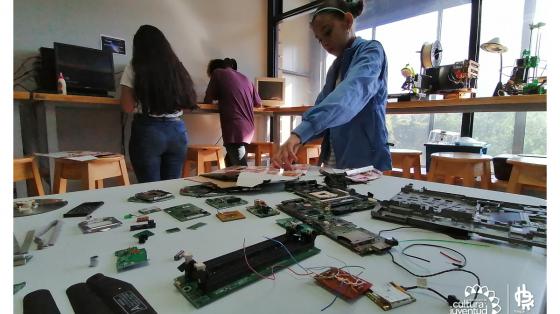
(236, 154)
(157, 148)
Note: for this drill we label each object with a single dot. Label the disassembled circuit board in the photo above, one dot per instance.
(225, 202)
(261, 209)
(131, 258)
(338, 202)
(151, 196)
(344, 232)
(204, 283)
(202, 190)
(186, 212)
(343, 283)
(230, 215)
(461, 216)
(389, 296)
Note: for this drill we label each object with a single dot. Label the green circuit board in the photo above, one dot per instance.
(225, 202)
(130, 258)
(186, 212)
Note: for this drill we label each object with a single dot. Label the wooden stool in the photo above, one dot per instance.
(407, 159)
(309, 154)
(463, 165)
(260, 148)
(27, 168)
(92, 172)
(526, 171)
(202, 156)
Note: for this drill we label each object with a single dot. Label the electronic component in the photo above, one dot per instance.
(83, 210)
(151, 196)
(93, 261)
(344, 232)
(101, 294)
(230, 215)
(261, 209)
(99, 224)
(149, 210)
(143, 236)
(460, 216)
(225, 202)
(186, 212)
(131, 258)
(203, 190)
(39, 302)
(37, 206)
(342, 283)
(173, 230)
(196, 226)
(149, 225)
(389, 296)
(40, 238)
(142, 219)
(338, 202)
(204, 283)
(18, 286)
(22, 259)
(179, 255)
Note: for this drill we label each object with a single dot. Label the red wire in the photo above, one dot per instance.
(451, 258)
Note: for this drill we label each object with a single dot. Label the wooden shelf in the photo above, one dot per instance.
(76, 99)
(20, 95)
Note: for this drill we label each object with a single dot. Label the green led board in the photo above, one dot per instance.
(186, 212)
(130, 258)
(262, 212)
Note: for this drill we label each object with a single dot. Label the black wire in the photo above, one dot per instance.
(438, 273)
(20, 85)
(24, 62)
(427, 288)
(437, 246)
(24, 74)
(387, 230)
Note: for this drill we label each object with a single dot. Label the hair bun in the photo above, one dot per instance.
(356, 7)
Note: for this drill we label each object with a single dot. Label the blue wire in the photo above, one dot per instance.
(332, 302)
(285, 248)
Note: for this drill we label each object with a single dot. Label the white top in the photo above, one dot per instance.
(127, 79)
(67, 262)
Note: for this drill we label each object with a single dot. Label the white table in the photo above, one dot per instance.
(56, 268)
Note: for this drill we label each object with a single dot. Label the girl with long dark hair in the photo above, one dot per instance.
(157, 88)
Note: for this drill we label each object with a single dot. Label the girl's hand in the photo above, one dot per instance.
(286, 155)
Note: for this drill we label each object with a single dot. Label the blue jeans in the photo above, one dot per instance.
(157, 148)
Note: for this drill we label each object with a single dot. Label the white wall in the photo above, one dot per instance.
(198, 31)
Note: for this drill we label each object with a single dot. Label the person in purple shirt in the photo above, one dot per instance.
(236, 98)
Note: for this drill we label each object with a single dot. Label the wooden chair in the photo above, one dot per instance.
(526, 171)
(91, 173)
(260, 148)
(461, 165)
(27, 168)
(407, 159)
(202, 156)
(309, 154)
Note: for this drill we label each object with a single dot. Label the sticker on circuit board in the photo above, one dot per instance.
(261, 209)
(99, 224)
(131, 258)
(389, 296)
(230, 215)
(149, 210)
(343, 283)
(225, 202)
(151, 196)
(186, 212)
(129, 302)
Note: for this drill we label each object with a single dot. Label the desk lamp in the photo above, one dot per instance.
(494, 46)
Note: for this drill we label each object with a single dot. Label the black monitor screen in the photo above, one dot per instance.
(271, 90)
(85, 69)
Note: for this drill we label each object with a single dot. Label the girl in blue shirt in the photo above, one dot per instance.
(349, 112)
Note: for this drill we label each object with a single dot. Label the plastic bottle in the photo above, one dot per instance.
(61, 84)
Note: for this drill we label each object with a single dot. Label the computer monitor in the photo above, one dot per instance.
(85, 70)
(271, 90)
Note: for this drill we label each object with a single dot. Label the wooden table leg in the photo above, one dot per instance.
(513, 184)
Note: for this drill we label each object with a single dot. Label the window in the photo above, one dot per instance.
(495, 128)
